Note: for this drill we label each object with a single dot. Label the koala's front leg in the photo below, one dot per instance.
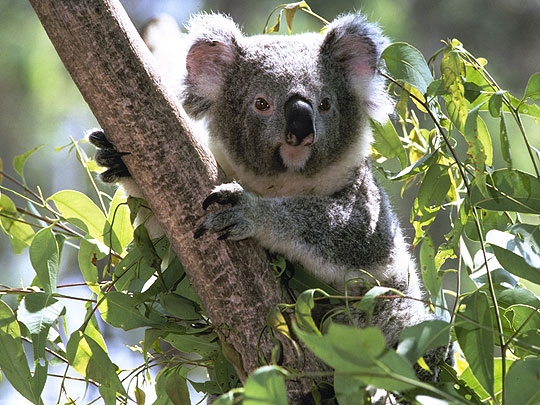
(236, 222)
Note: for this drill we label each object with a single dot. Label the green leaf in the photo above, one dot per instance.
(349, 390)
(371, 363)
(452, 72)
(13, 361)
(45, 258)
(120, 222)
(89, 359)
(521, 383)
(171, 386)
(474, 333)
(203, 345)
(304, 304)
(369, 300)
(430, 272)
(532, 90)
(509, 190)
(405, 63)
(123, 311)
(20, 160)
(387, 142)
(416, 340)
(81, 211)
(432, 192)
(180, 307)
(38, 311)
(518, 252)
(89, 254)
(20, 234)
(266, 385)
(480, 150)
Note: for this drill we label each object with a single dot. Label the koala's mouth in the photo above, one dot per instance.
(296, 154)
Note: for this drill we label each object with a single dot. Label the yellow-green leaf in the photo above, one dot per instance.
(81, 211)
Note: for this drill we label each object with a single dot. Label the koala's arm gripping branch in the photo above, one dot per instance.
(113, 69)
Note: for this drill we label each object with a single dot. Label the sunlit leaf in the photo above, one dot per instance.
(38, 312)
(371, 363)
(474, 331)
(266, 385)
(20, 234)
(509, 190)
(532, 90)
(80, 210)
(452, 72)
(405, 63)
(119, 220)
(90, 360)
(518, 252)
(45, 258)
(387, 142)
(304, 304)
(20, 160)
(432, 193)
(13, 361)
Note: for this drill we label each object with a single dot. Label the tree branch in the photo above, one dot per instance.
(114, 71)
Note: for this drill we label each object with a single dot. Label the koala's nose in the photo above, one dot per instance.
(300, 128)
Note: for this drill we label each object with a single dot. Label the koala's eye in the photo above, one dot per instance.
(261, 104)
(325, 105)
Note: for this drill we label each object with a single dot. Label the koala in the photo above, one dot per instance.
(288, 119)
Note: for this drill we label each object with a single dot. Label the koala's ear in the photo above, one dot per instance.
(355, 45)
(213, 51)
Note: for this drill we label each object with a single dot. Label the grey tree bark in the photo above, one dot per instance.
(113, 70)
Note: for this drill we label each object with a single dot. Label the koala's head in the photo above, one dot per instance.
(279, 104)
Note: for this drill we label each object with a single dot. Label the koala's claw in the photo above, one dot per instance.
(230, 193)
(108, 157)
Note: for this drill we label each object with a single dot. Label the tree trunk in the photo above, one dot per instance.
(112, 68)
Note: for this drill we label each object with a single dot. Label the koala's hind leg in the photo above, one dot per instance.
(107, 156)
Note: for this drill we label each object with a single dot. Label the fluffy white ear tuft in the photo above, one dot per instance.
(214, 49)
(355, 45)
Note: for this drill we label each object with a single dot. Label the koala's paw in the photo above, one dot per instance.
(107, 156)
(235, 222)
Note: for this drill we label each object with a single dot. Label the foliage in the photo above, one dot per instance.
(459, 142)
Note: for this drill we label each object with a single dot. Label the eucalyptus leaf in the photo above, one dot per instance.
(13, 361)
(123, 311)
(405, 63)
(521, 382)
(304, 304)
(509, 190)
(532, 90)
(387, 142)
(38, 312)
(20, 234)
(20, 160)
(518, 254)
(416, 340)
(266, 385)
(91, 361)
(80, 210)
(474, 331)
(45, 258)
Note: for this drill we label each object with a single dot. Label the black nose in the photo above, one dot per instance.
(299, 116)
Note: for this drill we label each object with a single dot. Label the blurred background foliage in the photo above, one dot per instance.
(39, 104)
